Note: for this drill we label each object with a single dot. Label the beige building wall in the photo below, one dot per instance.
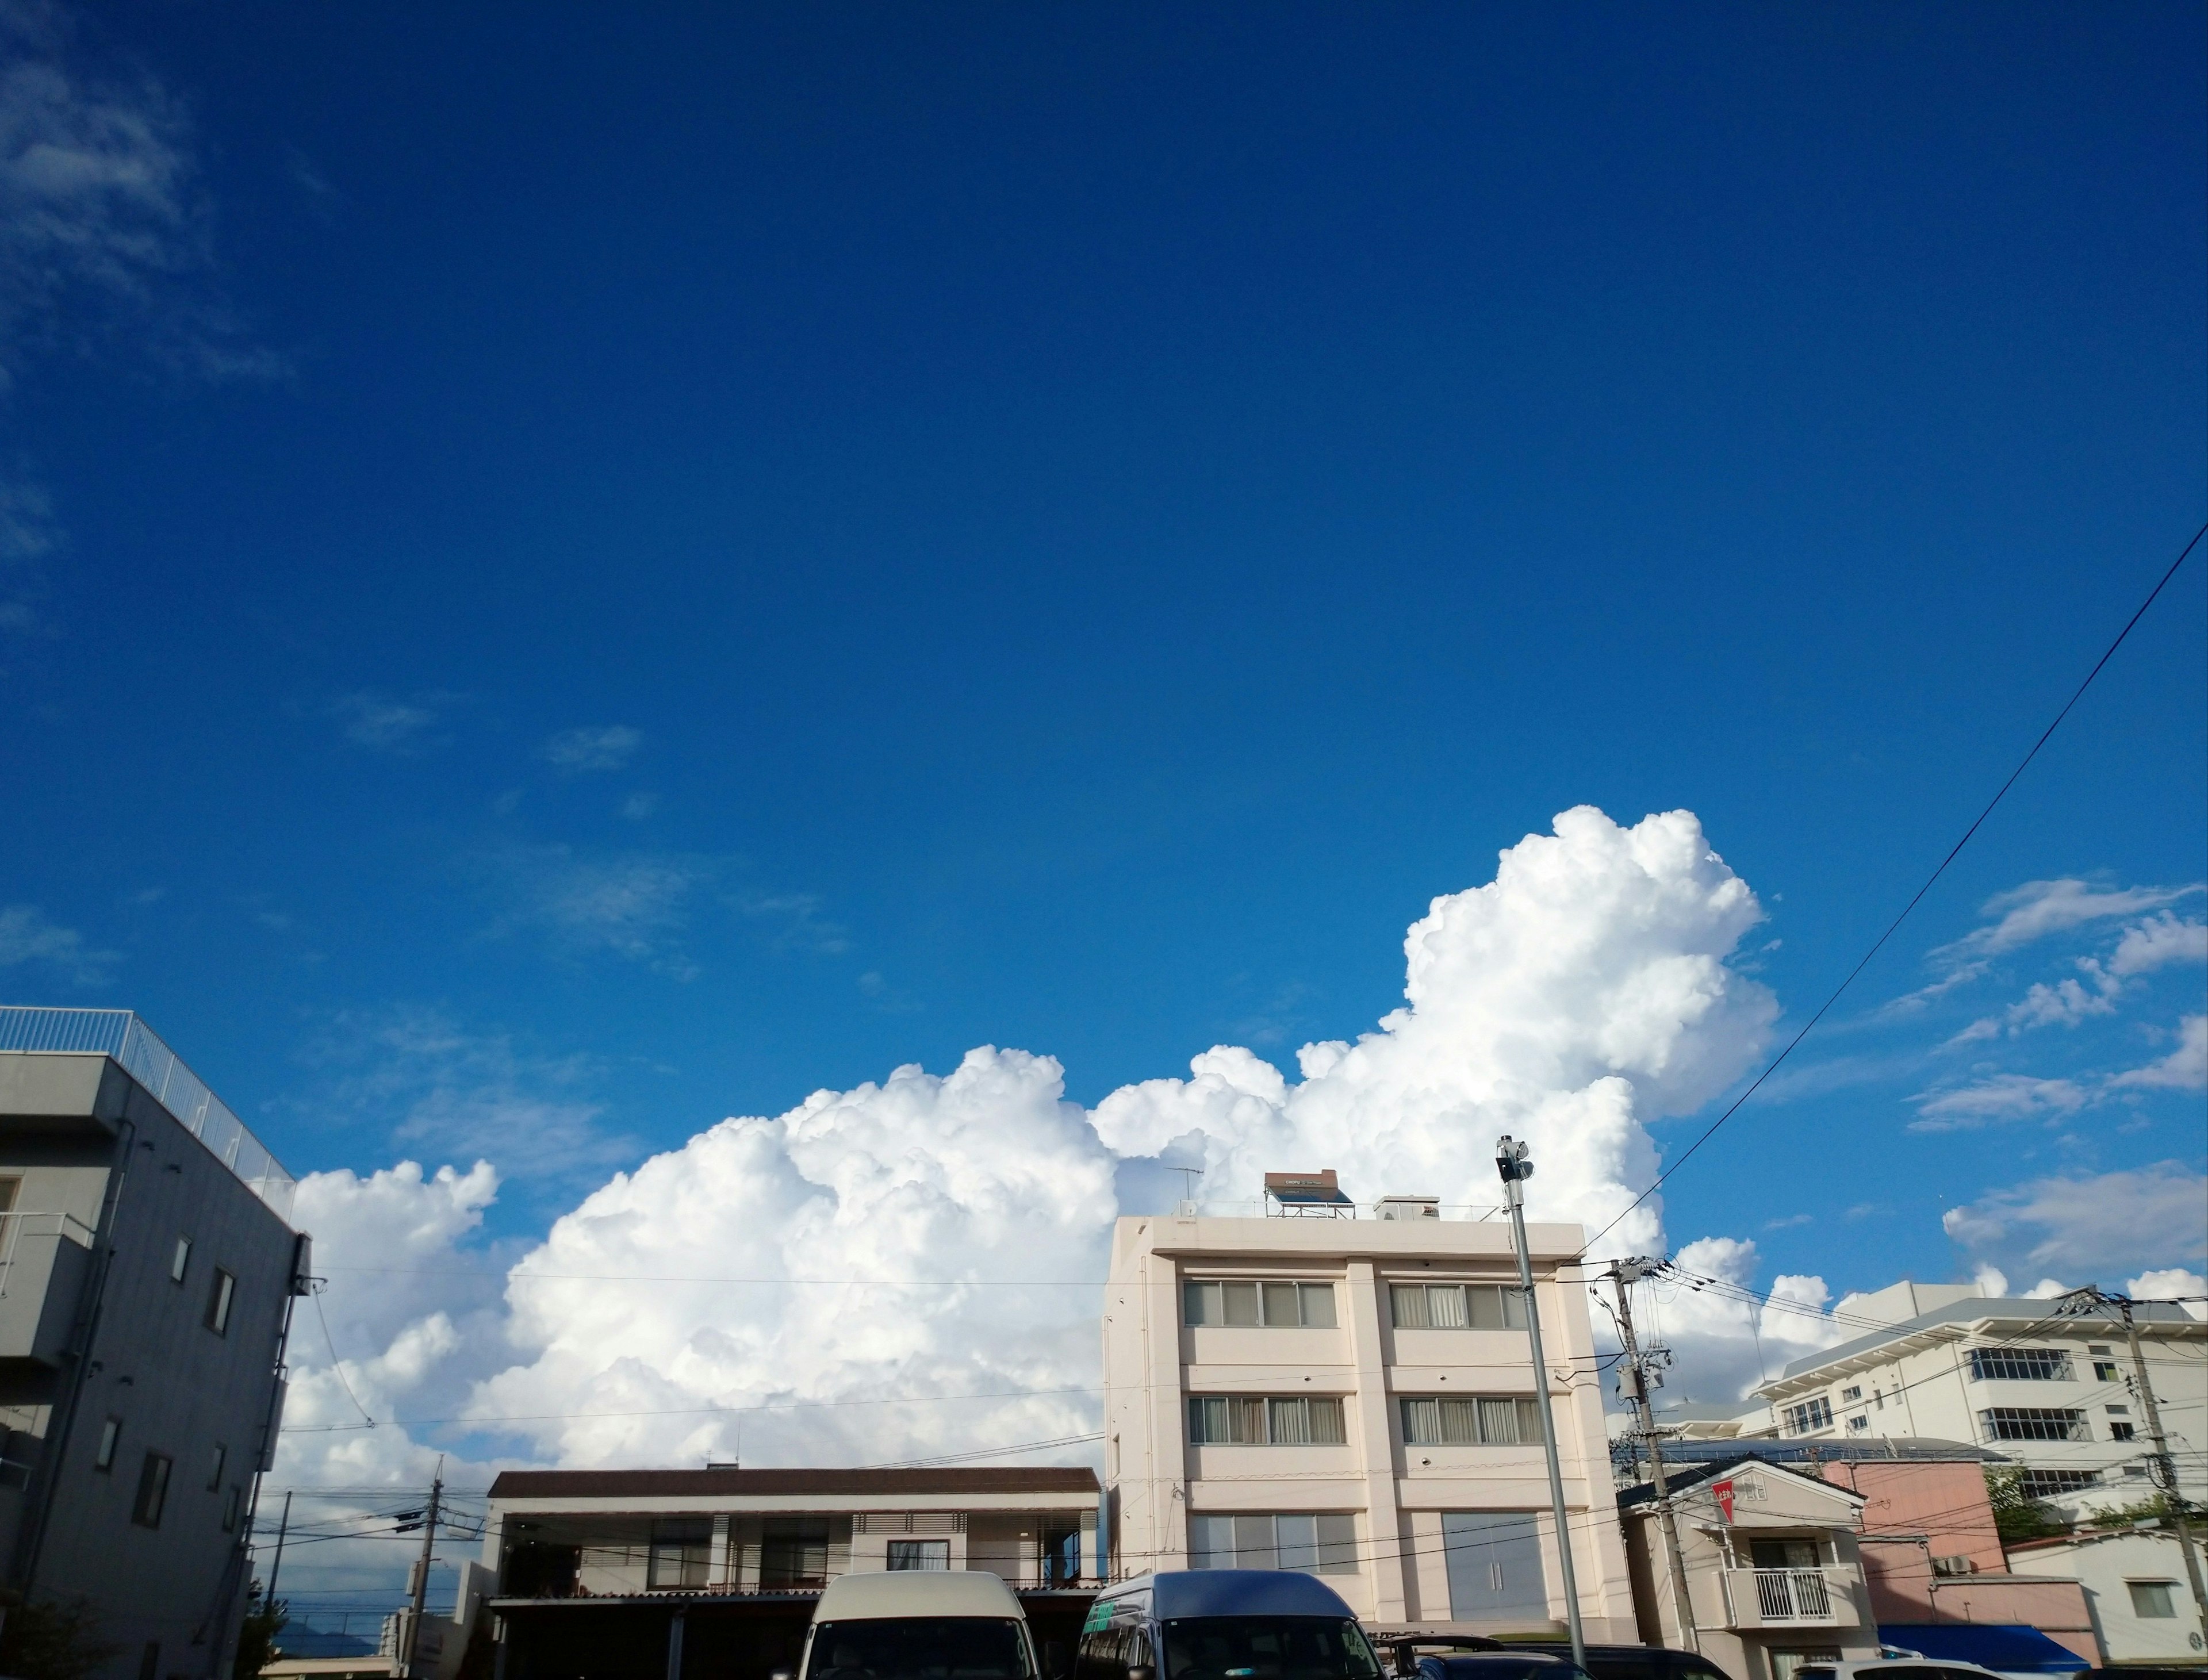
(1399, 1497)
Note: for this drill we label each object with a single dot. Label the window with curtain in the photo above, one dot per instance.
(1470, 1421)
(1232, 1301)
(1456, 1306)
(1251, 1420)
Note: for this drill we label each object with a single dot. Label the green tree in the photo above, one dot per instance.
(55, 1639)
(256, 1638)
(2016, 1515)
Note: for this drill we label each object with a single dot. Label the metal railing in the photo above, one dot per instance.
(1457, 1212)
(118, 1033)
(1781, 1597)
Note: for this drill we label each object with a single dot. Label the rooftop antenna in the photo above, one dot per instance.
(1189, 1175)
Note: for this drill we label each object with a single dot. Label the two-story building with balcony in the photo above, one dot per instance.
(653, 1575)
(2053, 1394)
(146, 1274)
(1356, 1396)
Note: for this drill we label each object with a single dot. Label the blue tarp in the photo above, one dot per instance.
(2009, 1649)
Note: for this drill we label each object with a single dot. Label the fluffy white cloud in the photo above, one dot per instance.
(2184, 1069)
(2157, 942)
(2172, 1283)
(2038, 908)
(2088, 1225)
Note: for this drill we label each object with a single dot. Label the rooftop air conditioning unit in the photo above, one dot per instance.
(1410, 1207)
(1957, 1565)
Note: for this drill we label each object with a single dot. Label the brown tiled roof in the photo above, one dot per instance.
(708, 1484)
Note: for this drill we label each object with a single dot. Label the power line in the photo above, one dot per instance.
(1880, 943)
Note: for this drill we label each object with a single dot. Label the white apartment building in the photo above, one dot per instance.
(1356, 1396)
(2052, 1394)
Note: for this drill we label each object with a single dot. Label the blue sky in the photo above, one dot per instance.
(572, 575)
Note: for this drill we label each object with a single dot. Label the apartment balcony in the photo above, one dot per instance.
(43, 1260)
(1748, 1599)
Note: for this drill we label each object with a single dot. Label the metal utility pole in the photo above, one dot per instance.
(276, 1568)
(1634, 1379)
(421, 1583)
(1511, 1162)
(2160, 1465)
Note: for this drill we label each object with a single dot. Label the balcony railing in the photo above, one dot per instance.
(1788, 1599)
(120, 1033)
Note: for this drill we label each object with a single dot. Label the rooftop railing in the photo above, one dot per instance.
(120, 1033)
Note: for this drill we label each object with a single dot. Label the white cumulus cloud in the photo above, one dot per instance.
(2088, 1225)
(2184, 1069)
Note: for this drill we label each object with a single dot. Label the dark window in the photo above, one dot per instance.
(2054, 1484)
(111, 1437)
(1268, 1647)
(230, 1500)
(180, 1261)
(2033, 1423)
(1809, 1416)
(2121, 1432)
(1323, 1543)
(970, 1646)
(919, 1554)
(682, 1553)
(794, 1553)
(2105, 1371)
(220, 1293)
(2020, 1365)
(152, 1490)
(1253, 1421)
(214, 1467)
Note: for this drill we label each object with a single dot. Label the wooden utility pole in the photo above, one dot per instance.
(422, 1571)
(1634, 1380)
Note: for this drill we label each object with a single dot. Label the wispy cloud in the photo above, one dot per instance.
(1995, 1100)
(2103, 1224)
(29, 940)
(636, 906)
(603, 747)
(796, 922)
(383, 723)
(2157, 942)
(2184, 1069)
(431, 1084)
(28, 535)
(104, 231)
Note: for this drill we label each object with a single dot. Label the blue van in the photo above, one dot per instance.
(1224, 1624)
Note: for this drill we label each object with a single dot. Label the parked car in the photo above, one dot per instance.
(1496, 1666)
(890, 1624)
(1896, 1668)
(1634, 1662)
(1224, 1624)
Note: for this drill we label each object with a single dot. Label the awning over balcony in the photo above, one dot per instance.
(2005, 1649)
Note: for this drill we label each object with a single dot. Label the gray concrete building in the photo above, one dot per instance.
(148, 1268)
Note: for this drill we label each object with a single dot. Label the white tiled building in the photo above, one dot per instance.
(2135, 1589)
(1356, 1396)
(2052, 1394)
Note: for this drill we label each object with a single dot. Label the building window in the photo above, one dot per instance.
(1254, 1421)
(1207, 1301)
(1323, 1543)
(152, 1490)
(111, 1437)
(230, 1501)
(220, 1293)
(214, 1467)
(1456, 1306)
(1859, 1424)
(2033, 1423)
(794, 1553)
(2119, 1431)
(2020, 1365)
(2105, 1371)
(2054, 1484)
(1851, 1393)
(682, 1553)
(2134, 1473)
(1809, 1416)
(2153, 1601)
(919, 1554)
(1471, 1422)
(180, 1261)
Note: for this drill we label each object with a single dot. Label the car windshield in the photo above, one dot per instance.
(1268, 1647)
(919, 1647)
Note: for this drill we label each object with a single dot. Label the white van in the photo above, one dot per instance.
(918, 1624)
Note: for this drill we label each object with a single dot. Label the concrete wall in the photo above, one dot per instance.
(87, 1139)
(2103, 1566)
